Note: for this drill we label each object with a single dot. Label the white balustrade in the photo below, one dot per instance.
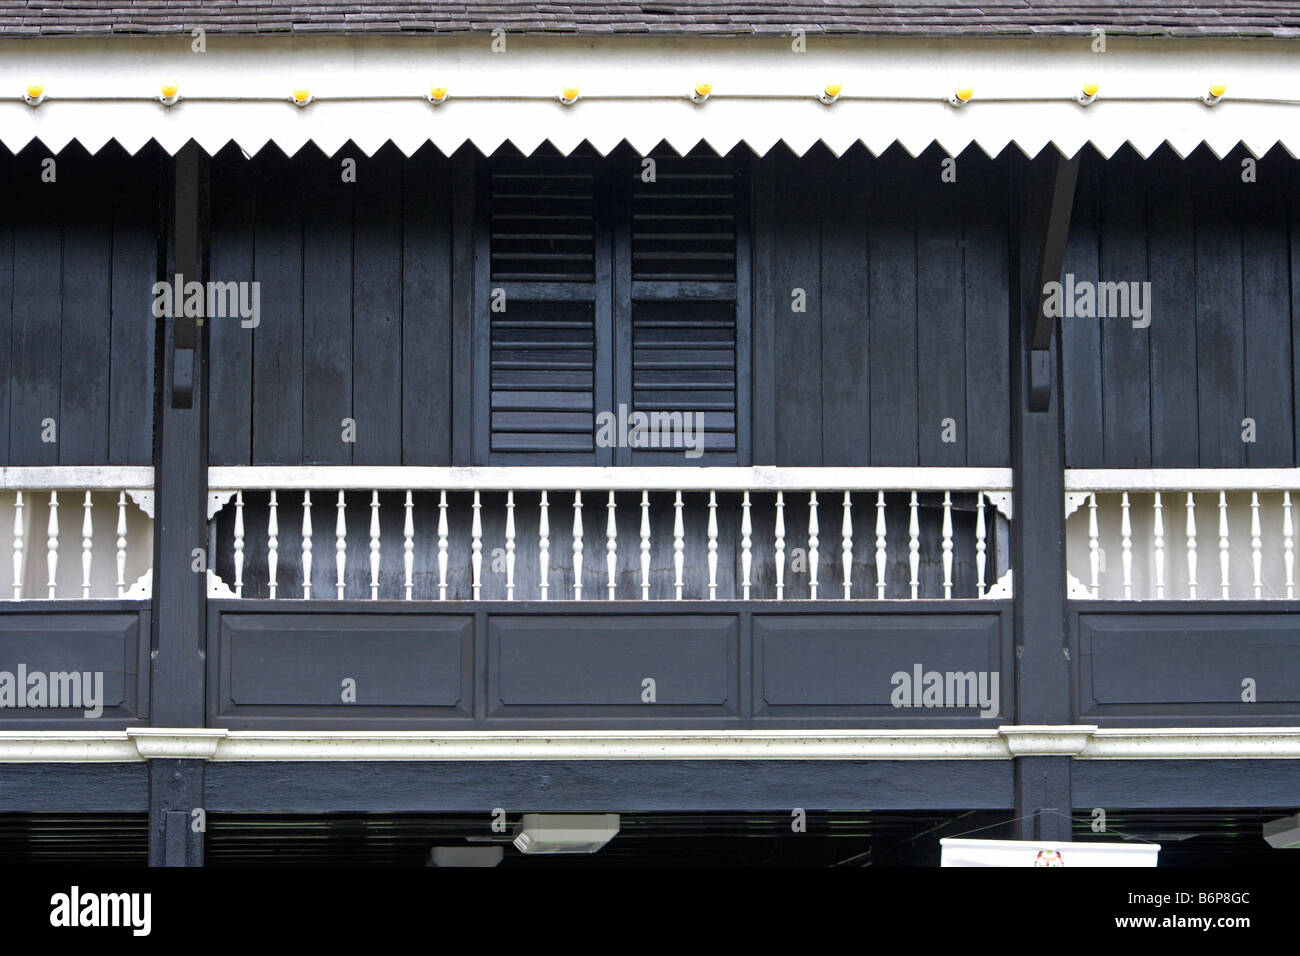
(116, 531)
(955, 544)
(1255, 567)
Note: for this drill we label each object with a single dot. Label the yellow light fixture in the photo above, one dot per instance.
(169, 94)
(302, 96)
(831, 93)
(1215, 93)
(701, 92)
(569, 95)
(1089, 93)
(961, 96)
(34, 94)
(437, 95)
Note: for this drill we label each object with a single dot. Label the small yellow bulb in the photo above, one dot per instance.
(169, 91)
(1218, 89)
(964, 93)
(302, 96)
(35, 91)
(1090, 89)
(569, 94)
(703, 89)
(437, 93)
(833, 89)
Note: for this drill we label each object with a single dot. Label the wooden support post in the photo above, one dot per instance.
(1045, 190)
(176, 831)
(180, 462)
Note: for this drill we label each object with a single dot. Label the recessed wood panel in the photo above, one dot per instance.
(1188, 663)
(596, 665)
(296, 664)
(110, 646)
(844, 665)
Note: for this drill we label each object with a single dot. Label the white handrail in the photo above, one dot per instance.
(602, 478)
(1182, 479)
(74, 477)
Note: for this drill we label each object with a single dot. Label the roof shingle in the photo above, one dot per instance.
(1265, 18)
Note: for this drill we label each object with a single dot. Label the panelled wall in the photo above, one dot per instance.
(902, 324)
(903, 277)
(78, 261)
(1223, 261)
(355, 316)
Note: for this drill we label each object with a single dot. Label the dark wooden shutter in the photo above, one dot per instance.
(685, 305)
(543, 220)
(544, 348)
(684, 222)
(543, 377)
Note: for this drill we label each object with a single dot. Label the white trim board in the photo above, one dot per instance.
(1002, 743)
(374, 90)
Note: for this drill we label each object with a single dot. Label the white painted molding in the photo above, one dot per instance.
(604, 478)
(1181, 479)
(1216, 743)
(66, 746)
(1004, 588)
(78, 478)
(143, 498)
(373, 90)
(142, 589)
(217, 500)
(218, 588)
(1075, 589)
(1041, 740)
(1084, 742)
(195, 743)
(1002, 500)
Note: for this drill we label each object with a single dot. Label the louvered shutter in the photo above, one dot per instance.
(543, 349)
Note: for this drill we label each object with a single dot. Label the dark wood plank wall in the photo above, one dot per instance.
(906, 280)
(1220, 256)
(78, 260)
(355, 309)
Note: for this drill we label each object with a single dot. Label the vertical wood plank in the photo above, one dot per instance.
(328, 211)
(892, 304)
(464, 169)
(846, 326)
(237, 186)
(1172, 246)
(277, 340)
(765, 253)
(1081, 338)
(1266, 291)
(376, 321)
(426, 310)
(1126, 415)
(37, 308)
(940, 316)
(87, 269)
(983, 206)
(798, 338)
(8, 203)
(1219, 325)
(133, 326)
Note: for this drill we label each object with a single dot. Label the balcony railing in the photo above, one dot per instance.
(1181, 534)
(111, 506)
(596, 533)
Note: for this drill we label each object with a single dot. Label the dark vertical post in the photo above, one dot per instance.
(180, 488)
(1045, 195)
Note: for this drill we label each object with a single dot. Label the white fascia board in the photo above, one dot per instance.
(1003, 743)
(371, 91)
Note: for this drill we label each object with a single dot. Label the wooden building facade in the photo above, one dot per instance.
(363, 522)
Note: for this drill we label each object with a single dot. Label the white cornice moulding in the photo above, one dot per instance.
(1003, 743)
(370, 91)
(181, 744)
